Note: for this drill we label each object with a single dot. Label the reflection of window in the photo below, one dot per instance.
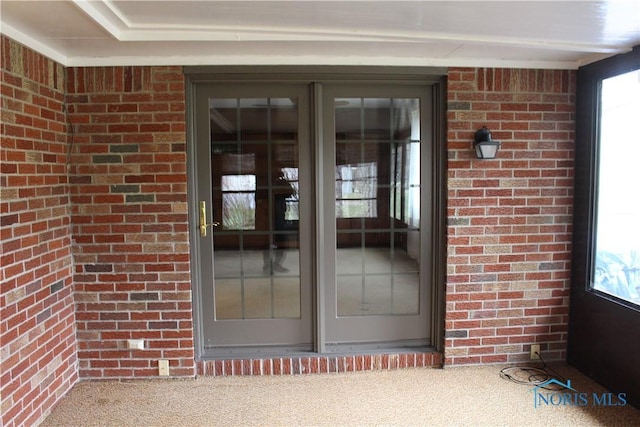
(239, 202)
(293, 201)
(405, 202)
(356, 189)
(617, 264)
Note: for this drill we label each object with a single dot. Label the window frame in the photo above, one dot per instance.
(599, 173)
(587, 167)
(603, 338)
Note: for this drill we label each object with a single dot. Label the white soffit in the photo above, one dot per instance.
(523, 34)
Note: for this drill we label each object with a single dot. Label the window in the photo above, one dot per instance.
(617, 260)
(603, 338)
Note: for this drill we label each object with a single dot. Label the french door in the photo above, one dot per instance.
(254, 199)
(312, 216)
(374, 202)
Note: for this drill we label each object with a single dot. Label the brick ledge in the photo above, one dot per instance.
(317, 364)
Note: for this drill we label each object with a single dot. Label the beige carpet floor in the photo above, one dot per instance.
(459, 396)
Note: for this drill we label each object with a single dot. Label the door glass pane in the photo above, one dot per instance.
(238, 202)
(254, 173)
(377, 188)
(617, 265)
(228, 299)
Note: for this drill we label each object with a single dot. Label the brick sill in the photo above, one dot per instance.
(317, 364)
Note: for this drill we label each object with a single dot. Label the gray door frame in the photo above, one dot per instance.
(434, 77)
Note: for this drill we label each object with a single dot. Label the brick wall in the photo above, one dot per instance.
(123, 199)
(37, 325)
(129, 197)
(509, 220)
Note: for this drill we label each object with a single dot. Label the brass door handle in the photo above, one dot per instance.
(203, 219)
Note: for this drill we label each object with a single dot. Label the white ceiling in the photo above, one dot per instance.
(524, 34)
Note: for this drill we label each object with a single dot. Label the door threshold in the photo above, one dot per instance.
(314, 363)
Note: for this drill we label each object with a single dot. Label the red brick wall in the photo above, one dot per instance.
(509, 220)
(129, 197)
(508, 244)
(37, 325)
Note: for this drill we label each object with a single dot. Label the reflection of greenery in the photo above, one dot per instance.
(618, 274)
(292, 213)
(239, 212)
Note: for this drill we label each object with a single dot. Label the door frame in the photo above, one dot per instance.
(434, 76)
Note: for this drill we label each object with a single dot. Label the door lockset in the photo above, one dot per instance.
(203, 219)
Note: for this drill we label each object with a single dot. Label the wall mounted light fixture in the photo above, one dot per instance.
(486, 148)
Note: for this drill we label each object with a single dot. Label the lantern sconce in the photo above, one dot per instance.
(486, 148)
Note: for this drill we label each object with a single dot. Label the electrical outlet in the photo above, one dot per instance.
(535, 352)
(163, 367)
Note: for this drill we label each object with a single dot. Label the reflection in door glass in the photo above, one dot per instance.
(356, 188)
(377, 196)
(239, 202)
(255, 196)
(617, 264)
